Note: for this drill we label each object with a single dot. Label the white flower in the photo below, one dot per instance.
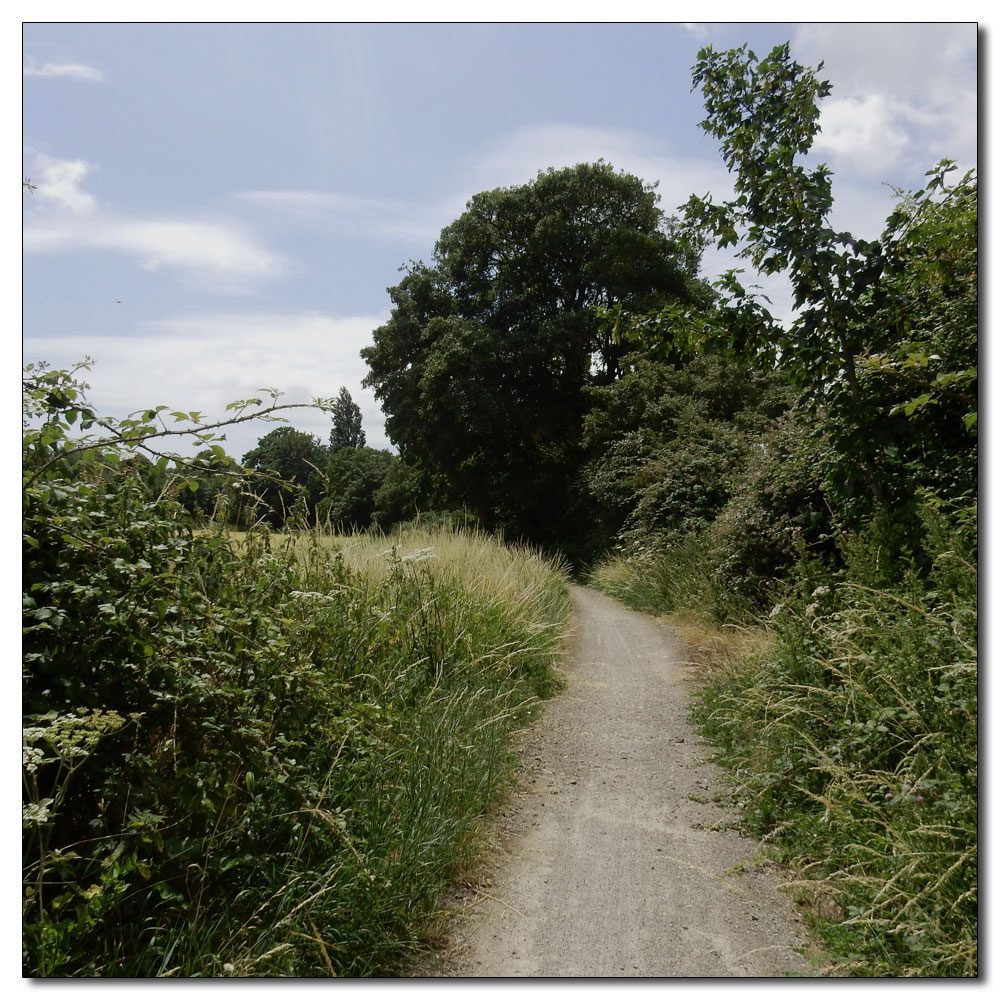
(821, 592)
(36, 812)
(31, 757)
(420, 555)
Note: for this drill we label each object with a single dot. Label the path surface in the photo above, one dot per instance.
(612, 861)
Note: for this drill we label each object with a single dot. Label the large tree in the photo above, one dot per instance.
(353, 476)
(483, 364)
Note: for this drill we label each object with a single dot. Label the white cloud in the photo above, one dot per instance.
(864, 133)
(201, 246)
(697, 28)
(202, 362)
(512, 158)
(516, 158)
(372, 218)
(915, 62)
(65, 218)
(904, 95)
(59, 182)
(205, 252)
(72, 71)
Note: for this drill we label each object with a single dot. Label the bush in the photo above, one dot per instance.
(354, 477)
(243, 756)
(777, 512)
(667, 444)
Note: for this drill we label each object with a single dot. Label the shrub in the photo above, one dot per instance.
(667, 444)
(777, 511)
(243, 756)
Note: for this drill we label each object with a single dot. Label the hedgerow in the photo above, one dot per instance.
(242, 757)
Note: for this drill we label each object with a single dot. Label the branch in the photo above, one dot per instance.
(138, 439)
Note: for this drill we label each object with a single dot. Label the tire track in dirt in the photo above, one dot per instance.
(615, 861)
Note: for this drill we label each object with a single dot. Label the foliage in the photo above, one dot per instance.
(399, 497)
(299, 477)
(354, 476)
(668, 441)
(923, 380)
(482, 366)
(346, 431)
(853, 746)
(778, 510)
(765, 112)
(246, 758)
(854, 296)
(292, 463)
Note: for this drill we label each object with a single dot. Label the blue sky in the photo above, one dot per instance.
(221, 207)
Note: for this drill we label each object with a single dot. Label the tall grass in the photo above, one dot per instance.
(657, 581)
(851, 737)
(853, 747)
(313, 770)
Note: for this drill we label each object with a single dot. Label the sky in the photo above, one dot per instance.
(221, 207)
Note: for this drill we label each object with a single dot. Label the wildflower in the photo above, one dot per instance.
(420, 555)
(821, 592)
(31, 757)
(36, 812)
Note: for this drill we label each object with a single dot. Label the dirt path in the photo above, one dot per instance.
(612, 861)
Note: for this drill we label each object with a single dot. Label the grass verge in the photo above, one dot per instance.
(849, 728)
(315, 730)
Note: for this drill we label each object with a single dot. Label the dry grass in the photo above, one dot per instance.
(718, 651)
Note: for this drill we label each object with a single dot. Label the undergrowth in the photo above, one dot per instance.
(259, 758)
(850, 735)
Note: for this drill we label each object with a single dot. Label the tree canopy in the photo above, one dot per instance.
(482, 366)
(294, 461)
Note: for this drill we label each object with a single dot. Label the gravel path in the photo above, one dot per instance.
(614, 860)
